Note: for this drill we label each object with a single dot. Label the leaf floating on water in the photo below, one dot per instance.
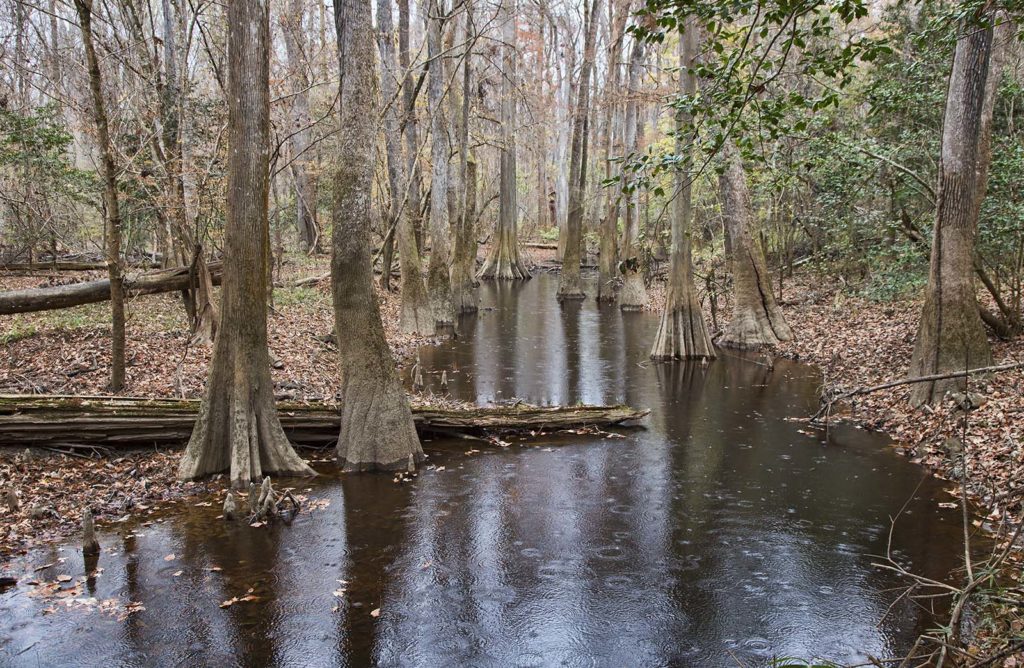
(215, 569)
(339, 592)
(948, 504)
(63, 578)
(375, 612)
(169, 557)
(178, 573)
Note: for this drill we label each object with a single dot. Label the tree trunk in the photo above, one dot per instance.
(951, 336)
(570, 285)
(415, 316)
(112, 226)
(413, 194)
(238, 429)
(377, 431)
(503, 261)
(438, 279)
(757, 319)
(296, 48)
(608, 275)
(633, 296)
(564, 121)
(464, 255)
(682, 333)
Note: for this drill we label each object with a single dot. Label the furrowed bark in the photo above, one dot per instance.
(951, 336)
(238, 429)
(757, 319)
(377, 431)
(682, 332)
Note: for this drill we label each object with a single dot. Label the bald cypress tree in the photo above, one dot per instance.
(237, 429)
(377, 430)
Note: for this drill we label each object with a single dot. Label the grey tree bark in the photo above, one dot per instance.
(464, 253)
(438, 279)
(412, 142)
(682, 332)
(757, 319)
(570, 285)
(503, 261)
(296, 47)
(608, 261)
(415, 316)
(633, 296)
(377, 430)
(951, 336)
(112, 218)
(238, 429)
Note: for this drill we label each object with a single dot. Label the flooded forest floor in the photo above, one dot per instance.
(852, 340)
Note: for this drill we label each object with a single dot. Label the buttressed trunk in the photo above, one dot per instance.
(503, 261)
(415, 316)
(377, 430)
(951, 336)
(570, 285)
(757, 319)
(438, 279)
(682, 333)
(464, 256)
(237, 429)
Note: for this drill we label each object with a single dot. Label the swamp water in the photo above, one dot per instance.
(719, 534)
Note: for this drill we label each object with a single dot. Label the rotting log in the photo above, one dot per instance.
(91, 292)
(69, 265)
(47, 420)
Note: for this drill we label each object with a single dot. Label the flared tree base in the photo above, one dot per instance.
(959, 344)
(682, 335)
(633, 295)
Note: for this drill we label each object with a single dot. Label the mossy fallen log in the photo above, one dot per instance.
(46, 420)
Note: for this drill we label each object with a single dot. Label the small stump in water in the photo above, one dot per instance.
(90, 546)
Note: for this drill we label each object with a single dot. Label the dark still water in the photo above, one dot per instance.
(718, 535)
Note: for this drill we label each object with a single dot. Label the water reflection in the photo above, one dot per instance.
(719, 533)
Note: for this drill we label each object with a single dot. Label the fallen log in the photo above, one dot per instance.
(829, 400)
(69, 265)
(45, 420)
(91, 292)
